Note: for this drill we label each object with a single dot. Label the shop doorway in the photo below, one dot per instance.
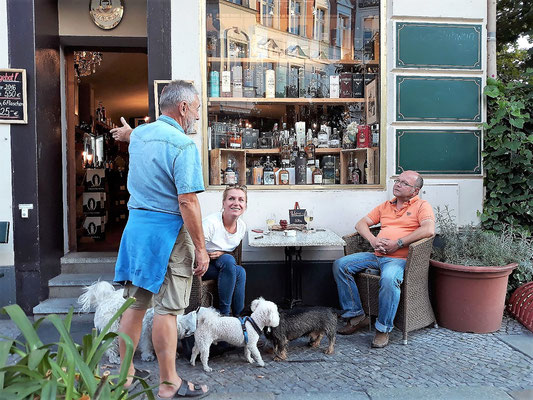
(101, 87)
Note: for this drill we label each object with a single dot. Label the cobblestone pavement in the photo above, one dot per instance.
(432, 358)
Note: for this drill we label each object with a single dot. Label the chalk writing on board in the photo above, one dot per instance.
(13, 96)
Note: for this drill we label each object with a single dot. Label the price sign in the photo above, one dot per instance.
(13, 100)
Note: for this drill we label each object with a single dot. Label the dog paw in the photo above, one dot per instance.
(328, 351)
(208, 369)
(147, 357)
(261, 363)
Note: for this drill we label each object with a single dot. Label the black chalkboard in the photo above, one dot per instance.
(13, 101)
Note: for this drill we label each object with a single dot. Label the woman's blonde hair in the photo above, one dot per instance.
(235, 186)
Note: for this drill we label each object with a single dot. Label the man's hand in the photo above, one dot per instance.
(201, 262)
(122, 133)
(215, 254)
(386, 246)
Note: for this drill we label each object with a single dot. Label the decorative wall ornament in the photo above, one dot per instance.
(106, 14)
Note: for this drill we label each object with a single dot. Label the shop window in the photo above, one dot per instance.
(290, 107)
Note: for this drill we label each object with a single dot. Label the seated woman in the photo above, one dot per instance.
(223, 232)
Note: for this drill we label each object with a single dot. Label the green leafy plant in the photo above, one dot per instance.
(475, 246)
(508, 154)
(70, 372)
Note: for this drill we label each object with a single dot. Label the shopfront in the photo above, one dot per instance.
(320, 102)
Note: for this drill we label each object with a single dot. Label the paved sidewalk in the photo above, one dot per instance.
(436, 364)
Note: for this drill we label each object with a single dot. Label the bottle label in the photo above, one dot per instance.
(318, 179)
(226, 81)
(230, 178)
(269, 178)
(270, 78)
(284, 178)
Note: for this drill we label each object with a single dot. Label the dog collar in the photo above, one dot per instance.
(243, 321)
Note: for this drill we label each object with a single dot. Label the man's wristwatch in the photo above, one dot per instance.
(400, 243)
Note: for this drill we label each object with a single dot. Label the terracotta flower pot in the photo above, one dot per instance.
(470, 299)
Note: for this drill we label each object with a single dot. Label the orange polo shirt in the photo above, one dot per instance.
(396, 224)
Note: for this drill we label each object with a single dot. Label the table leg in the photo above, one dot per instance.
(294, 276)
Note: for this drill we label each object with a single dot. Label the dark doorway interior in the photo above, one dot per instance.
(115, 87)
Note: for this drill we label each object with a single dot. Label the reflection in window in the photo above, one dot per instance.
(320, 24)
(295, 17)
(343, 31)
(267, 13)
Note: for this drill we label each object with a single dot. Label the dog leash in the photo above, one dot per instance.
(243, 321)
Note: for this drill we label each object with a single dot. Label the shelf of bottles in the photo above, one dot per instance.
(285, 108)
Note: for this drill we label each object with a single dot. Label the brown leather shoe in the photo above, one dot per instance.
(380, 340)
(354, 324)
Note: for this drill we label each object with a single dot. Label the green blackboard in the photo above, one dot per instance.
(422, 45)
(438, 151)
(438, 99)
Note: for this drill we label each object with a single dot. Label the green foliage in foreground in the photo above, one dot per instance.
(70, 372)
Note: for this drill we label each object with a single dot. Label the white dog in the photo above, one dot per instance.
(106, 301)
(213, 328)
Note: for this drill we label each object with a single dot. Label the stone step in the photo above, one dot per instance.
(61, 306)
(88, 262)
(71, 285)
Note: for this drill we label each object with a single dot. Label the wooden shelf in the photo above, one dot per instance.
(262, 151)
(326, 150)
(294, 60)
(288, 100)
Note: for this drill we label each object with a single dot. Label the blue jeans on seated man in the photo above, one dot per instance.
(391, 278)
(231, 280)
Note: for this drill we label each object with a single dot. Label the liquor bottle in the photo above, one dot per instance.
(259, 80)
(317, 176)
(322, 138)
(214, 84)
(235, 139)
(300, 134)
(334, 86)
(226, 83)
(375, 135)
(285, 152)
(351, 168)
(334, 140)
(313, 85)
(257, 173)
(275, 137)
(367, 171)
(270, 84)
(363, 136)
(284, 174)
(269, 177)
(229, 174)
(236, 71)
(310, 148)
(294, 154)
(328, 170)
(357, 174)
(103, 114)
(301, 169)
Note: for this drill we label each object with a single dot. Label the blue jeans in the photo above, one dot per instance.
(231, 282)
(391, 268)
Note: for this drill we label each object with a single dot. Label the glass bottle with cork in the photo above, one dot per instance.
(317, 176)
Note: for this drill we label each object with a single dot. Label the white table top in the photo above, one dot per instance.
(325, 237)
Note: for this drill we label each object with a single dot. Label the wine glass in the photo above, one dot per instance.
(270, 221)
(308, 217)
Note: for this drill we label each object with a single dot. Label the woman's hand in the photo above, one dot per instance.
(215, 254)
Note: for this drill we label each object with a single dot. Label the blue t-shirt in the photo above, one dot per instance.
(164, 162)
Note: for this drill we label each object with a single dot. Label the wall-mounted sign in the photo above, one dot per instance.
(13, 100)
(106, 14)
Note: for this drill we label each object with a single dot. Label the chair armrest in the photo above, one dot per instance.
(237, 253)
(355, 243)
(417, 263)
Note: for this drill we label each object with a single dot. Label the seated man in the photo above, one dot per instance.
(404, 220)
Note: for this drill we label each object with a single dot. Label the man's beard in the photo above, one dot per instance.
(189, 125)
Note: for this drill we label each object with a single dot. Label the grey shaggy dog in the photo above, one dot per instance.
(316, 322)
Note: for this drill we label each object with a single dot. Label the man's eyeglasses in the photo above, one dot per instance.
(403, 183)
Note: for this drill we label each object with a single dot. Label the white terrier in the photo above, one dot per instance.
(106, 301)
(213, 328)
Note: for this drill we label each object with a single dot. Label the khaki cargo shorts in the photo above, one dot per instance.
(173, 296)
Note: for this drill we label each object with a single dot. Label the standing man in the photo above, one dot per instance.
(163, 242)
(404, 220)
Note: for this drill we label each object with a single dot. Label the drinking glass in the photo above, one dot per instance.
(270, 221)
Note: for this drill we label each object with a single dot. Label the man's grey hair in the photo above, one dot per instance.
(176, 92)
(419, 182)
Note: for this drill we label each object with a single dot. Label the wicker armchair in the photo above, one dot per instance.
(205, 293)
(414, 311)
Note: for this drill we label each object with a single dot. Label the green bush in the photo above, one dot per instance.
(70, 372)
(508, 154)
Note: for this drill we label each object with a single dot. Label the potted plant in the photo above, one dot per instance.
(470, 269)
